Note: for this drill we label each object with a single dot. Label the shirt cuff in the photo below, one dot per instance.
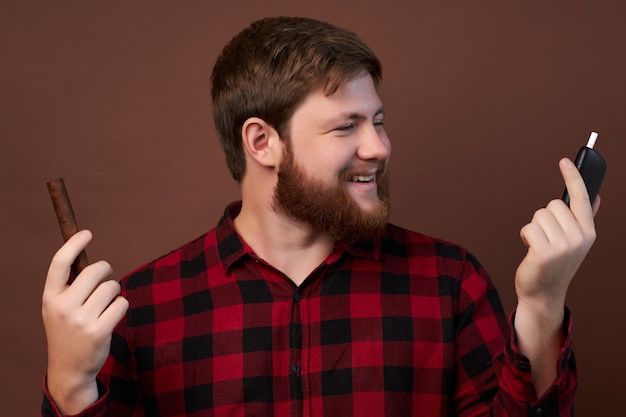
(520, 364)
(97, 409)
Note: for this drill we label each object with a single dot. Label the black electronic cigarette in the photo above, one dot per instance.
(592, 168)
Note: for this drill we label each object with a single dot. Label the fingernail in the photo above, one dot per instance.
(567, 163)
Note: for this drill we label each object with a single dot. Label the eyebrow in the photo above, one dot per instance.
(360, 116)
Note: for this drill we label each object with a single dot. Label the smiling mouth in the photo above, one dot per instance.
(361, 178)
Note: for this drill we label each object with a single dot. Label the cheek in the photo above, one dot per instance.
(324, 163)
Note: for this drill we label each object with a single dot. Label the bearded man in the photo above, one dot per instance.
(304, 301)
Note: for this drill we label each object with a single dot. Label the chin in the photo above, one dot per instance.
(368, 208)
(367, 204)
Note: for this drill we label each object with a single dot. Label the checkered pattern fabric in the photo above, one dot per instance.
(403, 325)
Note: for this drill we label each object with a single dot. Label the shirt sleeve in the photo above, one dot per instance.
(97, 409)
(493, 377)
(516, 388)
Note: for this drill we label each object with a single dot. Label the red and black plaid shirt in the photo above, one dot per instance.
(404, 325)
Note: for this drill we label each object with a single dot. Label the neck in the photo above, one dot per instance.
(289, 246)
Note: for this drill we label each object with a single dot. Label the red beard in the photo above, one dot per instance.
(327, 208)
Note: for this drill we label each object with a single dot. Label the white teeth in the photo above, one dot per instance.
(362, 178)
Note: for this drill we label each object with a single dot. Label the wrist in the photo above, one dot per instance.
(70, 396)
(543, 312)
(539, 326)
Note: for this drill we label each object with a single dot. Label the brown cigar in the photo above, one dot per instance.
(67, 221)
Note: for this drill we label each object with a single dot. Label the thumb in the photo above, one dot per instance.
(579, 198)
(59, 270)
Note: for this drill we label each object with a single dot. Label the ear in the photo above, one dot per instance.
(261, 142)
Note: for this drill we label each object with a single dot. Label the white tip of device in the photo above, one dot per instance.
(592, 140)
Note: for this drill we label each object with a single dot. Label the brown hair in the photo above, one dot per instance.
(267, 70)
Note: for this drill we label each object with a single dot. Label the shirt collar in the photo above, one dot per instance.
(232, 248)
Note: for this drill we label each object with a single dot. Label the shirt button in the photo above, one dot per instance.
(539, 411)
(296, 369)
(296, 296)
(523, 366)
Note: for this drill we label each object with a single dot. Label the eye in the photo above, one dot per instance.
(345, 128)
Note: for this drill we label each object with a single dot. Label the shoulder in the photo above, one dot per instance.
(396, 238)
(190, 259)
(426, 253)
(425, 257)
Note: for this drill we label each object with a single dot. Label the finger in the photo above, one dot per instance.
(596, 205)
(59, 270)
(579, 198)
(564, 217)
(87, 282)
(100, 298)
(550, 221)
(113, 314)
(534, 237)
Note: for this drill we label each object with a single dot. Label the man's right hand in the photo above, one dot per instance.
(79, 320)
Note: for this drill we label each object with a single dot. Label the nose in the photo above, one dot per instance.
(374, 144)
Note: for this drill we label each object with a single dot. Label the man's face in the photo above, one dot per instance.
(334, 172)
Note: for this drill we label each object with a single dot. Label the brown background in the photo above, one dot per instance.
(482, 99)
